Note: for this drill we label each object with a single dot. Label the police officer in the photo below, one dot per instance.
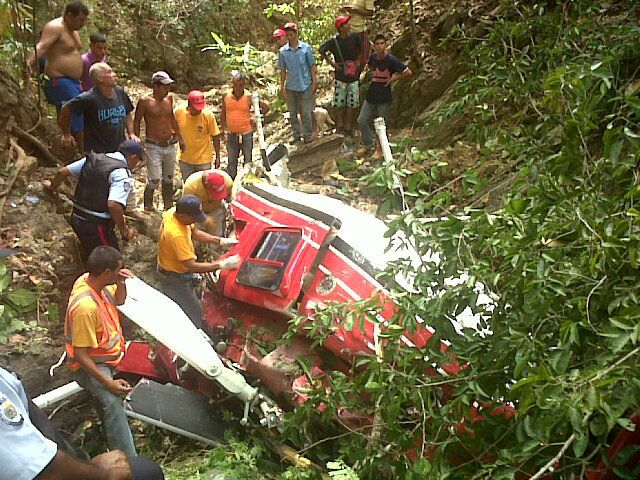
(32, 447)
(104, 183)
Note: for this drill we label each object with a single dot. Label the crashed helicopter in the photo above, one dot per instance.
(299, 253)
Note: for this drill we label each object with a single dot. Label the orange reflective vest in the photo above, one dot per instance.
(237, 111)
(111, 344)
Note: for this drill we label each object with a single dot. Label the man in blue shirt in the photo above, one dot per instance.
(24, 452)
(28, 451)
(385, 69)
(298, 82)
(104, 184)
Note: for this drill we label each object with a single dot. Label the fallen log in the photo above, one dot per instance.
(145, 223)
(315, 154)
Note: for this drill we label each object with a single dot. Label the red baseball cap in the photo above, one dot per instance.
(341, 20)
(196, 99)
(216, 185)
(291, 26)
(278, 32)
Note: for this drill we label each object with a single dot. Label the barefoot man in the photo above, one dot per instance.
(60, 42)
(162, 134)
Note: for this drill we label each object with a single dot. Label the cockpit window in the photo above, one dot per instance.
(265, 268)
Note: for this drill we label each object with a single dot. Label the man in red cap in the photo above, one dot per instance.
(345, 47)
(211, 187)
(198, 128)
(360, 12)
(279, 37)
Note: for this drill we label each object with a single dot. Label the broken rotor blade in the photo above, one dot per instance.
(164, 319)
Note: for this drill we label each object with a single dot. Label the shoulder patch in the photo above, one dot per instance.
(10, 417)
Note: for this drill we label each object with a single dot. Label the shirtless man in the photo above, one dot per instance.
(162, 133)
(60, 42)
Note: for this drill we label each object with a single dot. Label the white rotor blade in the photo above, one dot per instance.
(164, 320)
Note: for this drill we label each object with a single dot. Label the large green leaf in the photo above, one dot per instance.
(22, 298)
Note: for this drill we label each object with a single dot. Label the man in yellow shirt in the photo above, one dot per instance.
(177, 262)
(94, 341)
(360, 12)
(211, 187)
(198, 128)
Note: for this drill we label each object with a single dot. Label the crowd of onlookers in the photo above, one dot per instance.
(349, 53)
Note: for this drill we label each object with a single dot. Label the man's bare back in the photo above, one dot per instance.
(63, 48)
(158, 117)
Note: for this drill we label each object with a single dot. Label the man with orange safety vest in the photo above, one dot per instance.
(94, 341)
(236, 122)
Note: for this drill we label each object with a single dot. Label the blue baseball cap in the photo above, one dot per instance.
(192, 206)
(132, 147)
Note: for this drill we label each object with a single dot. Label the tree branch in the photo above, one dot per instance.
(560, 453)
(558, 456)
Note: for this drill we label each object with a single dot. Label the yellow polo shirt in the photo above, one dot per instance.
(195, 186)
(358, 22)
(174, 243)
(196, 131)
(86, 327)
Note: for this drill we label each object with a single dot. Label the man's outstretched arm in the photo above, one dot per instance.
(65, 467)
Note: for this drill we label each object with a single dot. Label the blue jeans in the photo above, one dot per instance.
(180, 287)
(301, 103)
(368, 112)
(233, 150)
(111, 410)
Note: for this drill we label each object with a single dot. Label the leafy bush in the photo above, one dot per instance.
(315, 20)
(15, 24)
(14, 303)
(552, 90)
(238, 57)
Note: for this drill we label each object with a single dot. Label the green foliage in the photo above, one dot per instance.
(15, 25)
(234, 460)
(341, 471)
(14, 303)
(234, 57)
(552, 89)
(281, 8)
(314, 19)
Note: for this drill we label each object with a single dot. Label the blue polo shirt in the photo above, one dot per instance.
(24, 451)
(297, 62)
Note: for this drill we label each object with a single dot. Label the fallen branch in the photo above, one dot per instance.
(19, 164)
(51, 159)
